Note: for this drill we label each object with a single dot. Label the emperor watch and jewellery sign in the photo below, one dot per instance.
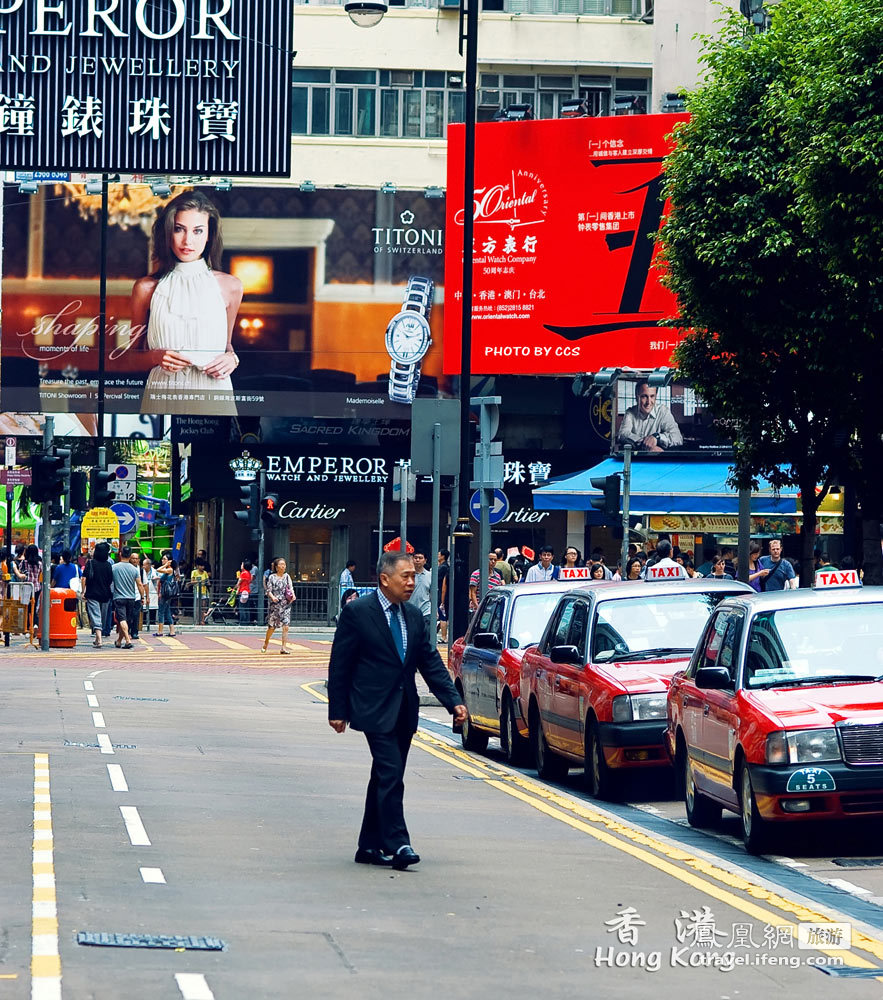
(146, 86)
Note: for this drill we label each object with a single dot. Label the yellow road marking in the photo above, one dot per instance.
(548, 802)
(171, 641)
(229, 643)
(45, 959)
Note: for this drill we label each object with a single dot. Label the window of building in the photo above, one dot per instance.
(418, 104)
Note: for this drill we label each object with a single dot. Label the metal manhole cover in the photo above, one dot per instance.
(168, 941)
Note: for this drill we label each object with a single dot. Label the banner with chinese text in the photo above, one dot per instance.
(564, 217)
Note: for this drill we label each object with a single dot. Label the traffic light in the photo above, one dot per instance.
(50, 474)
(79, 499)
(99, 494)
(270, 509)
(609, 502)
(250, 502)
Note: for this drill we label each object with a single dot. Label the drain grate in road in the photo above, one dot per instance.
(849, 972)
(858, 862)
(170, 942)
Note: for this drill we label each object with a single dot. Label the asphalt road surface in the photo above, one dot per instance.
(193, 797)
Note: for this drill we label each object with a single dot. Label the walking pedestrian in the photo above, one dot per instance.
(128, 593)
(280, 595)
(167, 588)
(150, 601)
(98, 581)
(243, 591)
(421, 598)
(444, 573)
(380, 643)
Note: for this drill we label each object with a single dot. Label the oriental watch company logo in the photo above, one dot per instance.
(521, 201)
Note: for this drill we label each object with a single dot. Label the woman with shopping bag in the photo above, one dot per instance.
(280, 595)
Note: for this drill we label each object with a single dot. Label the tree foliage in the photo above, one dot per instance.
(774, 243)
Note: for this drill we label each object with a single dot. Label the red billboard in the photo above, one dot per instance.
(564, 217)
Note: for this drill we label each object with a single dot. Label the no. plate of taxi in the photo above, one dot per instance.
(779, 714)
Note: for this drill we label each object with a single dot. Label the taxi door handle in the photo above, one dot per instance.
(706, 710)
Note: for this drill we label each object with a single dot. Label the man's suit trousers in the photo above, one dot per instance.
(383, 825)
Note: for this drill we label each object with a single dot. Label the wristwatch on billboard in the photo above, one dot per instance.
(408, 338)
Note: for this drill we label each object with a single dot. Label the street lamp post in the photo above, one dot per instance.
(366, 13)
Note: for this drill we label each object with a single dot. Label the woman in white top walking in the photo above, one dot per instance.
(189, 307)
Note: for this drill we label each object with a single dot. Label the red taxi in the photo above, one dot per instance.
(486, 663)
(779, 715)
(593, 690)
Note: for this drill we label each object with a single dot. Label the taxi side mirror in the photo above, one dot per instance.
(486, 640)
(714, 679)
(566, 654)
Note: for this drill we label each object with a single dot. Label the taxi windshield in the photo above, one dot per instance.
(530, 613)
(640, 626)
(842, 642)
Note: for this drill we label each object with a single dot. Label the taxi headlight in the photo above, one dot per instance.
(802, 746)
(649, 706)
(622, 708)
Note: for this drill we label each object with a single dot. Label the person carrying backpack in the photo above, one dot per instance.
(168, 586)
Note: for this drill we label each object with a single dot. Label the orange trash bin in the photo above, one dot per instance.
(62, 618)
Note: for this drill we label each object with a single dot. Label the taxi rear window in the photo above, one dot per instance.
(814, 645)
(632, 626)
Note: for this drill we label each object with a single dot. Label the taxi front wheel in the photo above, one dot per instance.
(701, 811)
(598, 777)
(755, 829)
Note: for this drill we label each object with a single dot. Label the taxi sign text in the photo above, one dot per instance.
(838, 578)
(660, 572)
(575, 573)
(100, 522)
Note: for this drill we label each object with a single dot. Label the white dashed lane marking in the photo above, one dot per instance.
(153, 876)
(117, 779)
(134, 827)
(193, 986)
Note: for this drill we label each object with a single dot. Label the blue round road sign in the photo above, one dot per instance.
(127, 517)
(499, 506)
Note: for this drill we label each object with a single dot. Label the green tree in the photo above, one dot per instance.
(773, 247)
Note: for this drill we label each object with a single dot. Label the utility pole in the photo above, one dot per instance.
(261, 554)
(626, 494)
(46, 540)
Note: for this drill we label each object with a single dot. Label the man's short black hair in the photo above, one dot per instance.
(125, 552)
(446, 553)
(638, 385)
(418, 552)
(547, 548)
(246, 565)
(350, 563)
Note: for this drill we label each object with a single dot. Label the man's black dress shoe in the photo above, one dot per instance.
(405, 856)
(372, 856)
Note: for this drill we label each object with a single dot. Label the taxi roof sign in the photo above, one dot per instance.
(665, 569)
(574, 572)
(829, 579)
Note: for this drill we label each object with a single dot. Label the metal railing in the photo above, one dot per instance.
(316, 604)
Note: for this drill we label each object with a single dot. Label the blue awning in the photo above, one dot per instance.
(666, 487)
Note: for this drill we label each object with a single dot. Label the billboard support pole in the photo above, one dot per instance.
(463, 532)
(262, 555)
(46, 539)
(102, 314)
(380, 526)
(433, 543)
(744, 534)
(626, 498)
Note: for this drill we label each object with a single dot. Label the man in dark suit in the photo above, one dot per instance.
(380, 643)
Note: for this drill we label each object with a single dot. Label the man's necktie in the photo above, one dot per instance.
(395, 626)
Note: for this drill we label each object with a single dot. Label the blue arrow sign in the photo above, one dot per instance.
(499, 506)
(127, 517)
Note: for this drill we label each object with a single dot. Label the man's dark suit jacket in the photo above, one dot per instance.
(366, 677)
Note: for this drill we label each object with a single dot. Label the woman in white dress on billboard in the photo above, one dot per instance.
(189, 307)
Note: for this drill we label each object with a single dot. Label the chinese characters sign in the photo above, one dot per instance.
(182, 86)
(563, 276)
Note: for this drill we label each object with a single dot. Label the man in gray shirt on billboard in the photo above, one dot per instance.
(648, 425)
(422, 596)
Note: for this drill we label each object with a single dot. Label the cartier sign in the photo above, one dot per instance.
(146, 86)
